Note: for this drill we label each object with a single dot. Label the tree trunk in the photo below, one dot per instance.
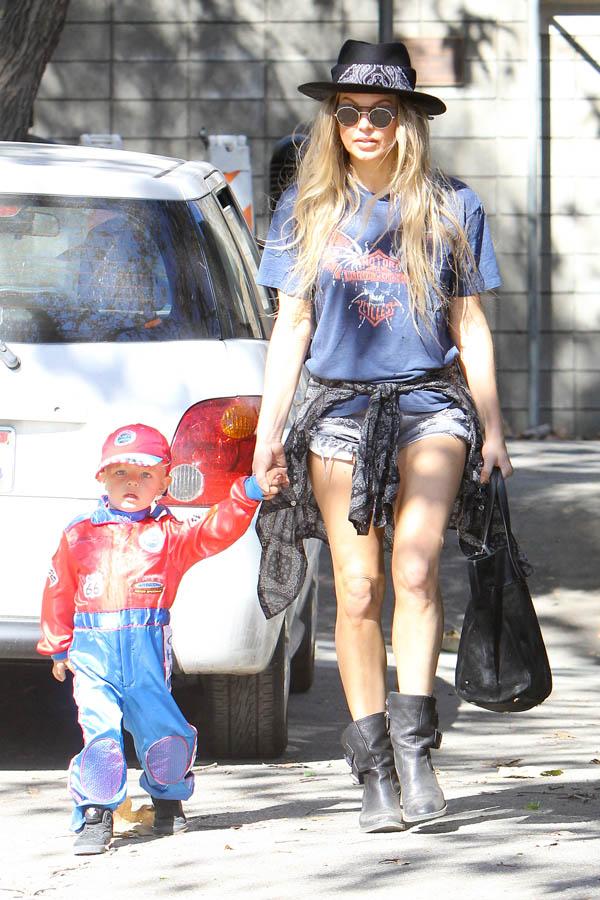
(29, 33)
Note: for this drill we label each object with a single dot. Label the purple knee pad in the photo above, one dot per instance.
(168, 759)
(102, 770)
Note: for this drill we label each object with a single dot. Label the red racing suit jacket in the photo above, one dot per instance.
(108, 563)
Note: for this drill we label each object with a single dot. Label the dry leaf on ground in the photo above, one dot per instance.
(519, 771)
(128, 820)
(451, 640)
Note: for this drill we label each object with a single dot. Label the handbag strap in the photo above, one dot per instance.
(498, 497)
(489, 509)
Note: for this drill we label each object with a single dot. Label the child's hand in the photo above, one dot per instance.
(276, 479)
(59, 668)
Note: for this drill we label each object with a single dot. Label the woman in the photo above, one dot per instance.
(379, 262)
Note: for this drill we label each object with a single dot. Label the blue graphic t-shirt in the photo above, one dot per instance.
(364, 330)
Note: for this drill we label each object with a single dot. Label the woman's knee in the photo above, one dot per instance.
(359, 595)
(416, 575)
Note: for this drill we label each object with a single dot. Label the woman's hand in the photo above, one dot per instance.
(267, 456)
(59, 668)
(494, 453)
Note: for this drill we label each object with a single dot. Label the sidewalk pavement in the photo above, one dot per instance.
(523, 789)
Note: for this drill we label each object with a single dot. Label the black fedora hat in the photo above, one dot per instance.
(364, 68)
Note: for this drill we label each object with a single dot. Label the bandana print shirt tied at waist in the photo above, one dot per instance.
(293, 515)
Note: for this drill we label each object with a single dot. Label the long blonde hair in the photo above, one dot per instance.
(328, 195)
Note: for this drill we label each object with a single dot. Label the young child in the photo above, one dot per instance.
(105, 617)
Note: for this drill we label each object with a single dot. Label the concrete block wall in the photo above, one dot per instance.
(158, 71)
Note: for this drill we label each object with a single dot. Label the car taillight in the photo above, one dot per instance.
(213, 445)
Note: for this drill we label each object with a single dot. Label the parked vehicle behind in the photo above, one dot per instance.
(127, 295)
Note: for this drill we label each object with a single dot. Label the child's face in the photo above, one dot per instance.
(133, 488)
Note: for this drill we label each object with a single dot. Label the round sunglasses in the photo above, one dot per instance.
(379, 116)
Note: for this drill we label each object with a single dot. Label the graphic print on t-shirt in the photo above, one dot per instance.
(361, 286)
(350, 264)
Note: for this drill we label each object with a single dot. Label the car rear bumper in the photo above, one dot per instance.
(241, 643)
(218, 625)
(18, 638)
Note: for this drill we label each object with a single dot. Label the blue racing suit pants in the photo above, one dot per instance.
(122, 663)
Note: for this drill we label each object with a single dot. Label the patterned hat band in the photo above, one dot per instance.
(384, 68)
(373, 75)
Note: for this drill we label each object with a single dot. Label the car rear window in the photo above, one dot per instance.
(89, 270)
(232, 282)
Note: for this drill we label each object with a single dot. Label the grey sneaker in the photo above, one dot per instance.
(169, 817)
(96, 833)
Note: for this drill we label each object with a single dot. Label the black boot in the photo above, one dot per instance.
(96, 833)
(413, 730)
(369, 753)
(169, 817)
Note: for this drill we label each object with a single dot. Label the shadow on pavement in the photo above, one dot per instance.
(39, 719)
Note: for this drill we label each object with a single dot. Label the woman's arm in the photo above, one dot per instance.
(471, 334)
(287, 351)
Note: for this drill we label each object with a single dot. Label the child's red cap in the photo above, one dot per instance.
(138, 445)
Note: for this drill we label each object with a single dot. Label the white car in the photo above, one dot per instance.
(127, 294)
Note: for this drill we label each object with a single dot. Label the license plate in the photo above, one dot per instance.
(7, 458)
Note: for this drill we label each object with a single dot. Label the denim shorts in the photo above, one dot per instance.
(337, 437)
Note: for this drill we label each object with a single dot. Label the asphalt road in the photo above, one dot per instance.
(285, 828)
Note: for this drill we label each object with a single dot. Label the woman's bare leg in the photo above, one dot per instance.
(430, 474)
(359, 586)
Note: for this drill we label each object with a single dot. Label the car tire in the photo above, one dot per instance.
(302, 670)
(246, 715)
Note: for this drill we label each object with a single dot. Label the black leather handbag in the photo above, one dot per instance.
(502, 663)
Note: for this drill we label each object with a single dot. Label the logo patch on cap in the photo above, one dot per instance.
(124, 438)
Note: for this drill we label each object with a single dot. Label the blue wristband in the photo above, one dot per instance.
(252, 488)
(60, 656)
